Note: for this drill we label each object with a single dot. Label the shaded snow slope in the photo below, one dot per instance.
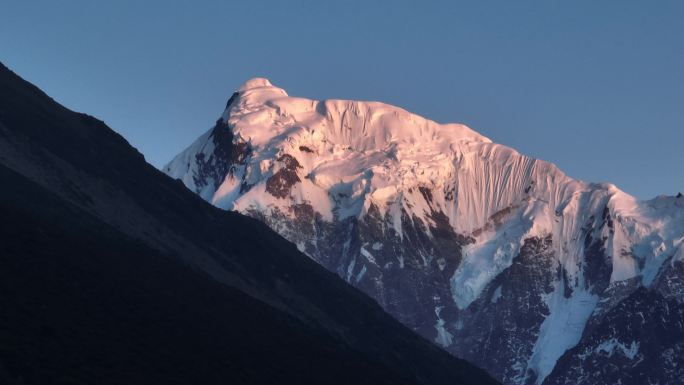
(395, 192)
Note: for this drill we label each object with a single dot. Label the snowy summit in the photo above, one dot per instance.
(437, 223)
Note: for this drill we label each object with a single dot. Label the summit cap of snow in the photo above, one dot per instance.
(255, 83)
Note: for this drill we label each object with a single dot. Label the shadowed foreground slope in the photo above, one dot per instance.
(114, 273)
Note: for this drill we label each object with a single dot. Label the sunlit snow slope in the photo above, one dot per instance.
(498, 257)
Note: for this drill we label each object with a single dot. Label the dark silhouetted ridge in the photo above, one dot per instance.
(113, 273)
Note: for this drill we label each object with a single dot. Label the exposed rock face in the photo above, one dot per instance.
(280, 183)
(498, 257)
(638, 339)
(497, 328)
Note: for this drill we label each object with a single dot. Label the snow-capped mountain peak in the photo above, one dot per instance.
(435, 221)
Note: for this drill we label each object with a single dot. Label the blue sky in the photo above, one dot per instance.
(596, 87)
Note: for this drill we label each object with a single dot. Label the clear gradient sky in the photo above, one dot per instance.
(596, 87)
